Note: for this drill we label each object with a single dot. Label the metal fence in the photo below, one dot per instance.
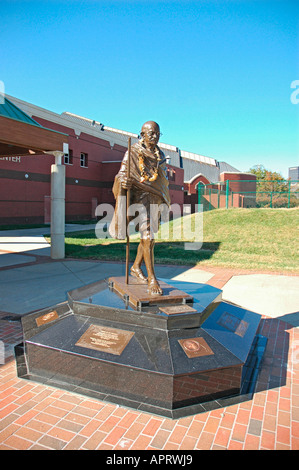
(248, 194)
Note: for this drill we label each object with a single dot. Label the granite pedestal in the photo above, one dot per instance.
(174, 357)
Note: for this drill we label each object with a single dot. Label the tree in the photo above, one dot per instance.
(268, 180)
(258, 170)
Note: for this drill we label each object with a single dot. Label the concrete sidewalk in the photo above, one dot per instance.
(30, 280)
(30, 242)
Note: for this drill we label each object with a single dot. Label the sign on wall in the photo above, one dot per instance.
(12, 159)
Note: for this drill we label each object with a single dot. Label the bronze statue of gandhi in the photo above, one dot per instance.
(148, 186)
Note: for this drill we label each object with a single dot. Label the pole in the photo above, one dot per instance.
(57, 207)
(198, 194)
(128, 221)
(227, 193)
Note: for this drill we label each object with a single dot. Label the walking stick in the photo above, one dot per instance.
(128, 203)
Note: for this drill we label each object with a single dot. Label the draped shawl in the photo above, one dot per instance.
(158, 188)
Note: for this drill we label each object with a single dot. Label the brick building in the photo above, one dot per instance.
(92, 159)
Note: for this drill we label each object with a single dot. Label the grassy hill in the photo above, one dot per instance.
(241, 238)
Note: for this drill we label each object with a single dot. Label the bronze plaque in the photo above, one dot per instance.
(195, 347)
(232, 323)
(173, 309)
(109, 340)
(47, 318)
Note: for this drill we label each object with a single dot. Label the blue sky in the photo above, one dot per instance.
(216, 75)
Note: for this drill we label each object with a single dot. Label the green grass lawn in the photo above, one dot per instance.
(240, 238)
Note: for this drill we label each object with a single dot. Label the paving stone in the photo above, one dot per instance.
(34, 416)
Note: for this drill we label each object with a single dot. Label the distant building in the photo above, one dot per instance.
(92, 159)
(294, 173)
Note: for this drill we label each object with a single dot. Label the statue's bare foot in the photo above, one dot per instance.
(137, 272)
(154, 288)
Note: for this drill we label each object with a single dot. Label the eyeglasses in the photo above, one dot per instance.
(151, 133)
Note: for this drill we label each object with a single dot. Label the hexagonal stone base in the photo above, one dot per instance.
(168, 361)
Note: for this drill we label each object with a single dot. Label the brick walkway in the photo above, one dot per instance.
(35, 416)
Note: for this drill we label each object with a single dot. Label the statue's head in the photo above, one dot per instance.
(150, 133)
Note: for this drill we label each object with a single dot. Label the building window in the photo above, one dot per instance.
(84, 160)
(171, 174)
(68, 158)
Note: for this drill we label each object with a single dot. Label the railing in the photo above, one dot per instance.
(248, 194)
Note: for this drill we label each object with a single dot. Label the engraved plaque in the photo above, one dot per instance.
(173, 309)
(46, 318)
(232, 323)
(109, 340)
(195, 347)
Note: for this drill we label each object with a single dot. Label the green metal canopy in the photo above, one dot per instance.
(22, 135)
(10, 110)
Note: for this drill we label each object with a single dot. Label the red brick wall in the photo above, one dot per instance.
(239, 182)
(192, 187)
(21, 198)
(26, 200)
(176, 185)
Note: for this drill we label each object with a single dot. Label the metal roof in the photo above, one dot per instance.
(198, 158)
(22, 135)
(223, 166)
(9, 110)
(192, 168)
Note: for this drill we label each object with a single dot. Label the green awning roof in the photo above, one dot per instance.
(9, 110)
(22, 135)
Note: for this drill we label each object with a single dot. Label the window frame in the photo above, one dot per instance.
(84, 160)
